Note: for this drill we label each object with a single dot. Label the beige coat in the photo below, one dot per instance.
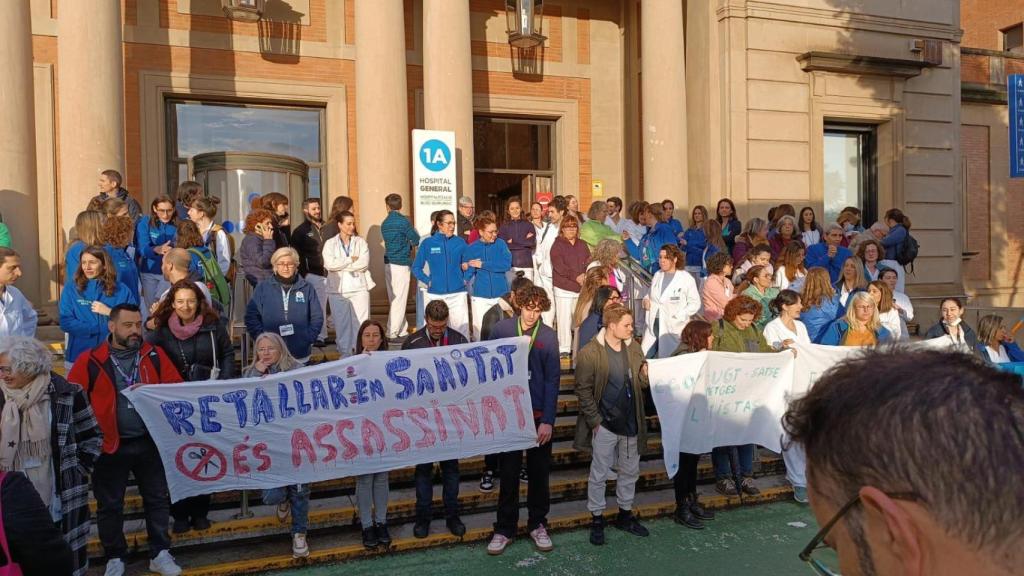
(591, 378)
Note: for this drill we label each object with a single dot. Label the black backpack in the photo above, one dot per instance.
(906, 252)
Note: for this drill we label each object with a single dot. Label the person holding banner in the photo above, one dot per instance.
(859, 327)
(951, 326)
(697, 336)
(347, 261)
(736, 332)
(995, 345)
(285, 303)
(124, 360)
(372, 489)
(544, 371)
(437, 332)
(191, 333)
(610, 375)
(486, 263)
(821, 303)
(272, 357)
(673, 299)
(442, 252)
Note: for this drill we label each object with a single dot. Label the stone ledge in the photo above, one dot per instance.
(854, 64)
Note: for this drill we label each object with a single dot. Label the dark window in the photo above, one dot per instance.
(1013, 38)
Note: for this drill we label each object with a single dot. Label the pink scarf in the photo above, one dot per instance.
(184, 331)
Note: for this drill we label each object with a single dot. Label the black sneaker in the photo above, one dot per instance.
(455, 526)
(699, 510)
(747, 486)
(383, 536)
(685, 516)
(628, 522)
(487, 482)
(421, 528)
(181, 526)
(597, 524)
(370, 540)
(523, 477)
(726, 487)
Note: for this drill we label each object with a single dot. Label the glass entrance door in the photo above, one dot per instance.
(514, 158)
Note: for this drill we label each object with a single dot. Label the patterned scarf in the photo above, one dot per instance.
(25, 434)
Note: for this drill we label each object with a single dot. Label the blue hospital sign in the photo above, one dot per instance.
(435, 155)
(434, 179)
(1015, 98)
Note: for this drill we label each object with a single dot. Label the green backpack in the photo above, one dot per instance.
(220, 290)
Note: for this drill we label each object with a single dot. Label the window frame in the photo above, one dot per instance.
(1005, 33)
(868, 169)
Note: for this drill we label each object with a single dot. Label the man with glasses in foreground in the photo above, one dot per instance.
(914, 463)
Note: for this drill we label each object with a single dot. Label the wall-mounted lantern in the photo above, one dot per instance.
(243, 10)
(525, 23)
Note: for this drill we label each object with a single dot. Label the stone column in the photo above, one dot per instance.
(18, 143)
(382, 119)
(448, 80)
(90, 74)
(663, 126)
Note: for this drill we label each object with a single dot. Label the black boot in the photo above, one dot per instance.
(370, 538)
(628, 522)
(383, 536)
(597, 524)
(421, 528)
(698, 509)
(685, 516)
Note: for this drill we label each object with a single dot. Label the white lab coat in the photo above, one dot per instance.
(672, 305)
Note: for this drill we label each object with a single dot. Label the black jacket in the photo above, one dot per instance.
(198, 351)
(309, 240)
(34, 540)
(420, 339)
(463, 226)
(939, 330)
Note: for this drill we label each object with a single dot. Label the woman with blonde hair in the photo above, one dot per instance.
(860, 326)
(88, 232)
(851, 279)
(594, 278)
(695, 241)
(272, 357)
(635, 223)
(607, 254)
(995, 344)
(790, 271)
(755, 233)
(888, 313)
(821, 304)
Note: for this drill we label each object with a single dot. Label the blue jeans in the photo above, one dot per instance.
(449, 488)
(720, 458)
(298, 496)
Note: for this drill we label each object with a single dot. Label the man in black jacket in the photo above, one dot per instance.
(465, 219)
(308, 239)
(436, 333)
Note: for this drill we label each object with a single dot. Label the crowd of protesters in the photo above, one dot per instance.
(146, 299)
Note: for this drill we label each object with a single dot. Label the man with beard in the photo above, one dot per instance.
(121, 362)
(913, 465)
(308, 239)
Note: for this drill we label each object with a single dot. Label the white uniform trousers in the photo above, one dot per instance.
(319, 284)
(545, 283)
(565, 306)
(396, 278)
(480, 307)
(349, 310)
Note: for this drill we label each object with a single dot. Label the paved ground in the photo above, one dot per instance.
(757, 540)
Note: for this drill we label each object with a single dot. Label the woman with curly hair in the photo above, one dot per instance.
(117, 234)
(85, 305)
(607, 254)
(257, 246)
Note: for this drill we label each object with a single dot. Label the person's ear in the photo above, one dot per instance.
(888, 524)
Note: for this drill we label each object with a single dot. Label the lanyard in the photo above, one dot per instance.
(533, 337)
(442, 342)
(547, 228)
(285, 297)
(129, 379)
(346, 248)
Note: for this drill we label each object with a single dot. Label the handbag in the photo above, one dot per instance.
(10, 568)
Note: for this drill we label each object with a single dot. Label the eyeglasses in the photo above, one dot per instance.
(615, 297)
(817, 543)
(6, 370)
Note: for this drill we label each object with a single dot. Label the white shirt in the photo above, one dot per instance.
(997, 356)
(894, 324)
(811, 237)
(775, 333)
(903, 301)
(636, 231)
(345, 275)
(17, 316)
(782, 282)
(618, 227)
(542, 252)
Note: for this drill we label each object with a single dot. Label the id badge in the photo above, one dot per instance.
(354, 274)
(287, 329)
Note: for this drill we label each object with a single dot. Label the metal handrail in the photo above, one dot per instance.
(636, 287)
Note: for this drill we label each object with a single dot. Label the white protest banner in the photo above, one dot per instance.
(365, 414)
(711, 399)
(434, 175)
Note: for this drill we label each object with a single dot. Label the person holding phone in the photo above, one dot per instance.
(257, 247)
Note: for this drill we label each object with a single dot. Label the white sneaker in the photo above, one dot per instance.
(497, 544)
(164, 564)
(115, 567)
(300, 549)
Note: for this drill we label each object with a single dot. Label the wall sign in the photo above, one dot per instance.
(434, 175)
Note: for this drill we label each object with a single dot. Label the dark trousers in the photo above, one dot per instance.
(138, 456)
(191, 509)
(425, 488)
(491, 462)
(685, 480)
(538, 494)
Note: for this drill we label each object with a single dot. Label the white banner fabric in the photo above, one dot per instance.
(360, 415)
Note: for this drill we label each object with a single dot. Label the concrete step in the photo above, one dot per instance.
(335, 545)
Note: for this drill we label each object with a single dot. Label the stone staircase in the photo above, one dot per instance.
(258, 542)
